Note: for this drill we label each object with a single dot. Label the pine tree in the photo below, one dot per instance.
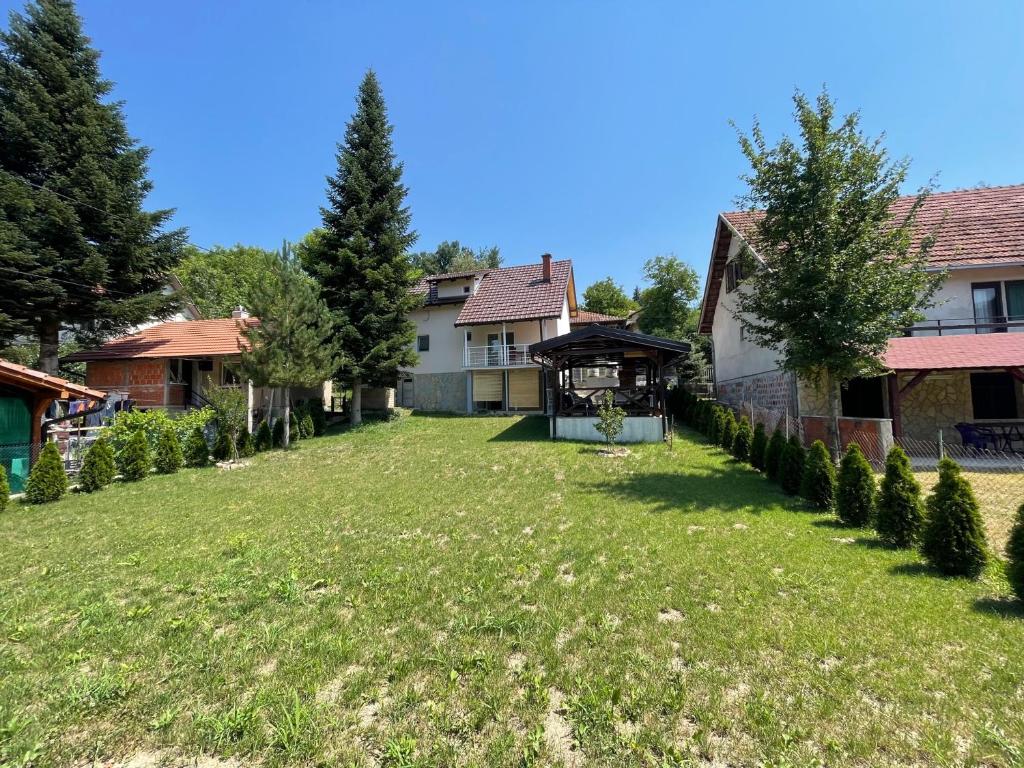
(293, 344)
(716, 421)
(47, 480)
(953, 539)
(197, 451)
(246, 443)
(818, 482)
(758, 445)
(81, 250)
(855, 497)
(899, 514)
(98, 468)
(168, 457)
(264, 439)
(773, 455)
(1015, 555)
(741, 444)
(361, 261)
(791, 466)
(728, 433)
(134, 460)
(316, 411)
(306, 426)
(5, 489)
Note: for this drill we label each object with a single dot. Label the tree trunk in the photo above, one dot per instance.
(356, 417)
(834, 411)
(49, 344)
(287, 416)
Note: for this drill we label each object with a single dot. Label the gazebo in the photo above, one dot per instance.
(581, 366)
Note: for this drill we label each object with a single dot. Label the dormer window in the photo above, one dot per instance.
(465, 289)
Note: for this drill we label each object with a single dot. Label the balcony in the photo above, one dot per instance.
(960, 325)
(498, 356)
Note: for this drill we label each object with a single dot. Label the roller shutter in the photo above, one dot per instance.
(487, 386)
(524, 389)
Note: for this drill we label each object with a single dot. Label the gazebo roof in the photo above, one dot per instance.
(601, 342)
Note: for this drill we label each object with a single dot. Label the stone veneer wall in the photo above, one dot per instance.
(938, 402)
(770, 391)
(440, 392)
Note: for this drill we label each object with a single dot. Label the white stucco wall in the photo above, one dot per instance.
(445, 354)
(635, 429)
(954, 299)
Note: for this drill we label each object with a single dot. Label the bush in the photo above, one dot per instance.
(1015, 555)
(153, 423)
(899, 514)
(246, 443)
(98, 468)
(5, 489)
(773, 455)
(134, 461)
(264, 440)
(278, 434)
(742, 442)
(47, 481)
(855, 498)
(953, 539)
(294, 433)
(197, 452)
(168, 458)
(728, 433)
(791, 466)
(716, 421)
(306, 426)
(818, 482)
(758, 444)
(316, 412)
(223, 448)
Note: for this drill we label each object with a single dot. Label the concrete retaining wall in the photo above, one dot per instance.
(635, 429)
(440, 392)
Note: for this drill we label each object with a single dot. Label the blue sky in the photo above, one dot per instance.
(597, 131)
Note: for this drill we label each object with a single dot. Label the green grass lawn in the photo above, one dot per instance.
(461, 591)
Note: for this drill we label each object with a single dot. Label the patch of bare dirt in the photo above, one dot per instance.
(669, 616)
(558, 734)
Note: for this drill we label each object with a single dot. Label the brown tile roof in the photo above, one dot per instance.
(37, 381)
(187, 338)
(984, 350)
(585, 317)
(518, 293)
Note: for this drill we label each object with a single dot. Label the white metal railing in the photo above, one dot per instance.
(497, 356)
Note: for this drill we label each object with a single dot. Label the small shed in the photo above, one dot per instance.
(581, 366)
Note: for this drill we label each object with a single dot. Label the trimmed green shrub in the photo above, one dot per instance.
(294, 433)
(791, 466)
(223, 450)
(278, 434)
(246, 443)
(773, 455)
(1015, 555)
(818, 483)
(306, 426)
(98, 467)
(47, 480)
(5, 489)
(197, 452)
(264, 440)
(953, 539)
(728, 433)
(316, 412)
(855, 497)
(134, 461)
(168, 457)
(153, 422)
(758, 444)
(742, 442)
(899, 513)
(716, 422)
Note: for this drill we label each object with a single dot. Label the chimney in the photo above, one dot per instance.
(239, 313)
(546, 261)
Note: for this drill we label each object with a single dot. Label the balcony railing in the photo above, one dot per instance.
(958, 325)
(497, 356)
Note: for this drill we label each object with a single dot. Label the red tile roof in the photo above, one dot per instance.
(585, 317)
(37, 381)
(970, 226)
(509, 294)
(188, 338)
(985, 350)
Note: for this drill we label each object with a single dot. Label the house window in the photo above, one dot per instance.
(993, 396)
(469, 335)
(423, 343)
(229, 377)
(988, 306)
(733, 274)
(465, 289)
(175, 373)
(1015, 300)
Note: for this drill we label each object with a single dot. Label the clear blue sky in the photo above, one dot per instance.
(597, 131)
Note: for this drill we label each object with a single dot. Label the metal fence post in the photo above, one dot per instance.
(942, 448)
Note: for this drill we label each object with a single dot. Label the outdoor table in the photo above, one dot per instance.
(1005, 433)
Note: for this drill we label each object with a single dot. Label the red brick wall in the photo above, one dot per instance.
(143, 380)
(873, 435)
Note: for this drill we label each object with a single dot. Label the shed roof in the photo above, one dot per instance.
(187, 338)
(36, 381)
(586, 317)
(603, 341)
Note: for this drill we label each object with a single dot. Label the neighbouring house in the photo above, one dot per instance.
(174, 366)
(585, 317)
(473, 333)
(26, 397)
(960, 371)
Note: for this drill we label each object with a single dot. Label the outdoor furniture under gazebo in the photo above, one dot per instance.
(639, 363)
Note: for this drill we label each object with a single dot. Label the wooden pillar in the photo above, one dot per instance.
(895, 411)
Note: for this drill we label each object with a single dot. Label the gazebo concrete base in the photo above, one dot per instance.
(635, 429)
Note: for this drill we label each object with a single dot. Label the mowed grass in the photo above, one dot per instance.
(462, 591)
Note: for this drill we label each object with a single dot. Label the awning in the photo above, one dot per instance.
(960, 351)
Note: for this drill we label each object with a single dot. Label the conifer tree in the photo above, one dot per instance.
(246, 443)
(98, 468)
(1015, 555)
(47, 480)
(953, 539)
(791, 466)
(223, 446)
(716, 422)
(728, 433)
(758, 445)
(168, 457)
(818, 482)
(5, 489)
(741, 444)
(773, 455)
(197, 451)
(134, 461)
(855, 497)
(294, 430)
(316, 411)
(279, 433)
(899, 514)
(306, 425)
(264, 440)
(78, 249)
(362, 259)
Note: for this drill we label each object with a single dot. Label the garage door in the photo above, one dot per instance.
(487, 386)
(524, 389)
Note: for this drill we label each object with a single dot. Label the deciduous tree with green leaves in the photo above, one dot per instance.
(608, 298)
(837, 272)
(667, 305)
(361, 256)
(219, 279)
(453, 256)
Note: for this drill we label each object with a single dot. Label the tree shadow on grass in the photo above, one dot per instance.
(913, 569)
(1003, 607)
(529, 429)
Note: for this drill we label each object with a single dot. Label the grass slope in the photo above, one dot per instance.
(441, 591)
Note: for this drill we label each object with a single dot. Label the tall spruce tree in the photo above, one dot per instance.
(292, 344)
(77, 250)
(361, 259)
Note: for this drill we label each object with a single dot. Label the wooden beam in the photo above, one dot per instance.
(895, 409)
(1016, 373)
(918, 378)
